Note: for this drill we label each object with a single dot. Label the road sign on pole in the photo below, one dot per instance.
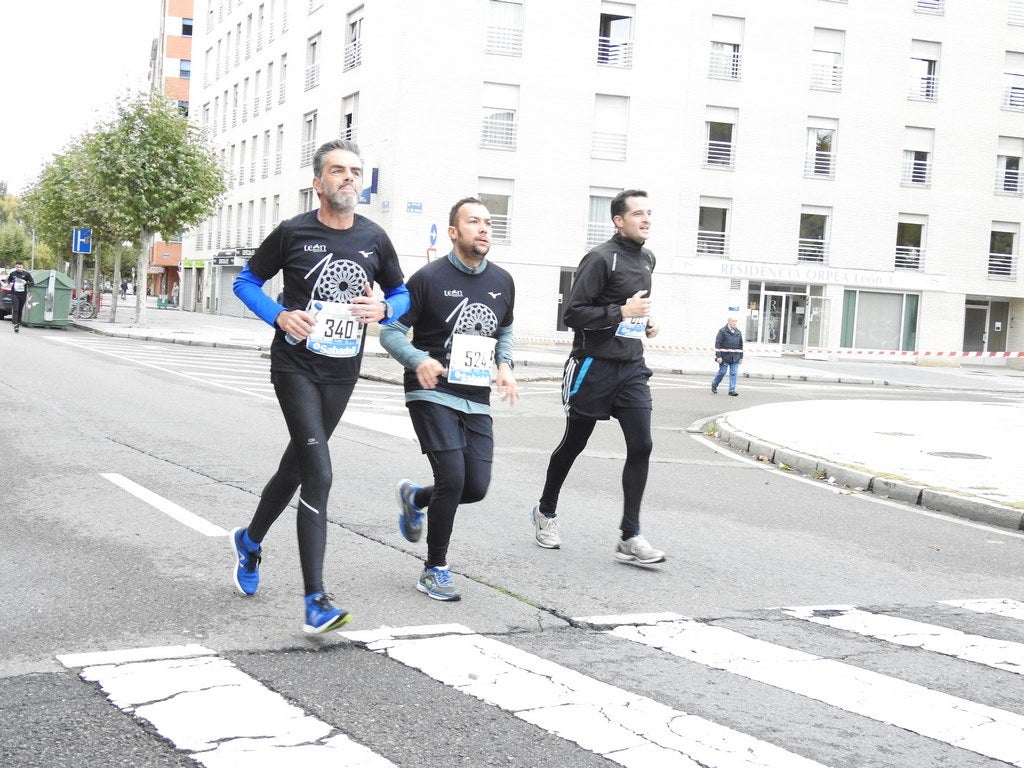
(81, 240)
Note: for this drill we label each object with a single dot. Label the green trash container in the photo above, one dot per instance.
(49, 300)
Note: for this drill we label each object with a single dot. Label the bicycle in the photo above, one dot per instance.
(82, 308)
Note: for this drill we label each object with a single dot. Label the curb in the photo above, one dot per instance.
(926, 497)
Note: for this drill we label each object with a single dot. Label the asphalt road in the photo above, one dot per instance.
(538, 674)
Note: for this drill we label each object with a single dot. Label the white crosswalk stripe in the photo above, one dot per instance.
(983, 729)
(223, 717)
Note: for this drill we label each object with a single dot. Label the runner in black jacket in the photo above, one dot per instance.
(606, 375)
(20, 281)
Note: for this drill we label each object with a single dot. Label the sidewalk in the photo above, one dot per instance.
(958, 458)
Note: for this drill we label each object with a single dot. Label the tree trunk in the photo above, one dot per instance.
(115, 292)
(141, 273)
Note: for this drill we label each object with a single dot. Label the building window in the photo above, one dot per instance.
(938, 7)
(1013, 82)
(827, 59)
(875, 320)
(260, 23)
(349, 117)
(910, 230)
(813, 244)
(354, 40)
(820, 161)
(615, 35)
(186, 27)
(505, 28)
(720, 129)
(313, 62)
(611, 118)
(282, 78)
(241, 163)
(265, 165)
(726, 39)
(599, 216)
(496, 194)
(257, 92)
(245, 99)
(270, 84)
(924, 70)
(713, 227)
(185, 69)
(1002, 262)
(307, 200)
(279, 151)
(1008, 178)
(500, 106)
(308, 139)
(917, 157)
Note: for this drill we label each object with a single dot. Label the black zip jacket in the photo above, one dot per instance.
(607, 276)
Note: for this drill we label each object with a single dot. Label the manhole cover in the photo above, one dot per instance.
(956, 455)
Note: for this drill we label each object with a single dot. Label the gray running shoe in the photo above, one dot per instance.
(637, 550)
(545, 529)
(437, 583)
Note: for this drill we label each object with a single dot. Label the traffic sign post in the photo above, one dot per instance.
(81, 240)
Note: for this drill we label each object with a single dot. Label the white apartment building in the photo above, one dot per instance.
(839, 174)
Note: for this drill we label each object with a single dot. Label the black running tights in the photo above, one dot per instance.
(311, 411)
(636, 429)
(460, 477)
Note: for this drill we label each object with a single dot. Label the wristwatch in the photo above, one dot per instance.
(388, 311)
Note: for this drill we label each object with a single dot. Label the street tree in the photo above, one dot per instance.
(144, 171)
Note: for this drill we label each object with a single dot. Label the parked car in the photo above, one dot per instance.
(5, 300)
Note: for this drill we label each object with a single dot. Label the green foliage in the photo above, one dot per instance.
(14, 245)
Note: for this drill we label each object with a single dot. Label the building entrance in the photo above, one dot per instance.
(777, 316)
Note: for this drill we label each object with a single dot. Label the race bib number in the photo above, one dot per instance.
(19, 285)
(336, 333)
(632, 328)
(472, 360)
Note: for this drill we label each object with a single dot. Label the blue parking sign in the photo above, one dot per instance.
(81, 240)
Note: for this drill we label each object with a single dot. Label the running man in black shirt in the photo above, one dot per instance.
(609, 311)
(20, 282)
(461, 316)
(330, 259)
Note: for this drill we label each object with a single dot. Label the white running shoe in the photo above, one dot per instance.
(637, 550)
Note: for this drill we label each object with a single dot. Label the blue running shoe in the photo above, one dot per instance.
(410, 522)
(246, 568)
(437, 583)
(321, 614)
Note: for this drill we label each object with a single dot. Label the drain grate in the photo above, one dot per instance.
(957, 455)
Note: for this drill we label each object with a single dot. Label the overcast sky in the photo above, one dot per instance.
(65, 63)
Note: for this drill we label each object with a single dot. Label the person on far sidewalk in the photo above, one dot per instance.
(728, 353)
(20, 281)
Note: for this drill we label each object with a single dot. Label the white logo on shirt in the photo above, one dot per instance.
(366, 254)
(494, 295)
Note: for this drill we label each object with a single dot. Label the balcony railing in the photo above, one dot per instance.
(712, 243)
(1009, 182)
(312, 76)
(608, 146)
(500, 228)
(908, 257)
(1016, 12)
(598, 232)
(615, 53)
(281, 91)
(820, 165)
(725, 65)
(348, 132)
(278, 164)
(719, 154)
(812, 250)
(255, 106)
(931, 6)
(498, 134)
(1002, 266)
(1013, 97)
(353, 55)
(265, 169)
(826, 77)
(504, 41)
(924, 88)
(916, 173)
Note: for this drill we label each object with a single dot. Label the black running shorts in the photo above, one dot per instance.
(593, 388)
(439, 428)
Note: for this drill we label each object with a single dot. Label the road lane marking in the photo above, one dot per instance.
(949, 719)
(221, 716)
(166, 506)
(1011, 609)
(623, 727)
(1000, 654)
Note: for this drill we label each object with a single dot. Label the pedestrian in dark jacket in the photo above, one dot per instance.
(728, 353)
